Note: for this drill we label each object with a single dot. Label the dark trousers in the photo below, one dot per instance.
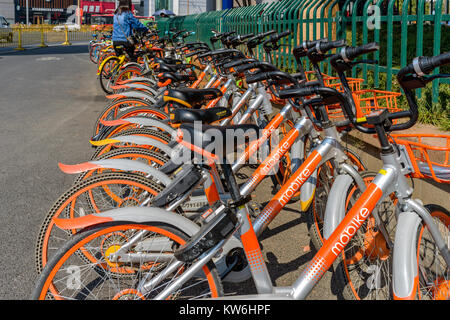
(120, 46)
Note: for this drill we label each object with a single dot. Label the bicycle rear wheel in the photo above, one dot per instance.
(67, 276)
(149, 157)
(94, 52)
(116, 106)
(157, 135)
(93, 195)
(108, 74)
(147, 112)
(129, 72)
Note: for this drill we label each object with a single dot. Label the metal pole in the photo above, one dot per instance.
(27, 15)
(78, 13)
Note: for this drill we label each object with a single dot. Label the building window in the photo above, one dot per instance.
(163, 4)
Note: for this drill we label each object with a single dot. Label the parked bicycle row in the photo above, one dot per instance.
(157, 212)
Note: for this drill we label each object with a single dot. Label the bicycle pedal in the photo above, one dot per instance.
(254, 208)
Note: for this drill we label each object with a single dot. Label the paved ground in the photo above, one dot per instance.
(49, 99)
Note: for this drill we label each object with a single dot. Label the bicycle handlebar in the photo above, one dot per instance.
(258, 39)
(410, 78)
(322, 47)
(350, 53)
(272, 43)
(219, 36)
(223, 52)
(261, 65)
(302, 49)
(234, 64)
(276, 76)
(424, 65)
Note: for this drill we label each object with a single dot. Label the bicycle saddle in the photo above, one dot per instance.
(204, 115)
(168, 60)
(164, 67)
(174, 78)
(191, 98)
(216, 141)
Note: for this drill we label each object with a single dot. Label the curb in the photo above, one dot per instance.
(8, 50)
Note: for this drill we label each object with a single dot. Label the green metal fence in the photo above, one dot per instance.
(403, 28)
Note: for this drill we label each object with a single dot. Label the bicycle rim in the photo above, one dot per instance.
(68, 277)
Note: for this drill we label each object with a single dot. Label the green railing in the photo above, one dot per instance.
(404, 29)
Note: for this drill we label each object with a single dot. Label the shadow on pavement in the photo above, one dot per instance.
(57, 49)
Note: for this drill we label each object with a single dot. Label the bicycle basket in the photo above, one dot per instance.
(429, 155)
(367, 101)
(334, 82)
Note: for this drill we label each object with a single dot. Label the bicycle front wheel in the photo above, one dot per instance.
(364, 270)
(102, 277)
(434, 273)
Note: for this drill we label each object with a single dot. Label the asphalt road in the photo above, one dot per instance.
(49, 99)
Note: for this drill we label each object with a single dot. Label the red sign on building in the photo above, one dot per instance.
(97, 7)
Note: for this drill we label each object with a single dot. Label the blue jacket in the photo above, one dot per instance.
(127, 23)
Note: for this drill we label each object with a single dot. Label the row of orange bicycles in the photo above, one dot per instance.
(165, 207)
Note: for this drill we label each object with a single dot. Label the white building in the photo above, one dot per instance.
(181, 7)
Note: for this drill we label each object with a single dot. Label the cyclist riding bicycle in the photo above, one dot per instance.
(124, 24)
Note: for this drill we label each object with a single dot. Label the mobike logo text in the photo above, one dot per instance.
(350, 231)
(294, 186)
(272, 161)
(255, 145)
(266, 133)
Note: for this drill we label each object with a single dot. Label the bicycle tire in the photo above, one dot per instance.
(114, 107)
(434, 274)
(103, 55)
(150, 157)
(128, 113)
(90, 239)
(106, 75)
(157, 135)
(93, 53)
(84, 198)
(314, 214)
(128, 72)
